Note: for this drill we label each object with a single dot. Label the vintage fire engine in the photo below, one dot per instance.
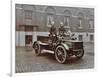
(61, 44)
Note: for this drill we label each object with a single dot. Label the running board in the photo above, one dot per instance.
(47, 51)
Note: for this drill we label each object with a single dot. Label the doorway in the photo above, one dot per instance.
(28, 39)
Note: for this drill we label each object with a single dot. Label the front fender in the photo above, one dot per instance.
(66, 46)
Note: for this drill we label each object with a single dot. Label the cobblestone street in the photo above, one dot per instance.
(27, 61)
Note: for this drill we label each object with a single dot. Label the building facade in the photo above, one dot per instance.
(34, 21)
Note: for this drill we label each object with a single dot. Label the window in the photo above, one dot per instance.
(80, 17)
(50, 19)
(80, 23)
(91, 38)
(28, 39)
(87, 34)
(28, 17)
(28, 14)
(91, 24)
(67, 15)
(80, 37)
(66, 21)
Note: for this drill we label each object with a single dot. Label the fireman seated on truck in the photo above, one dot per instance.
(61, 30)
(53, 33)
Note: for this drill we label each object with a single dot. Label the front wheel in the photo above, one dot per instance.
(79, 54)
(37, 48)
(61, 54)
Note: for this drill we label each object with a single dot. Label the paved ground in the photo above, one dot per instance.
(27, 61)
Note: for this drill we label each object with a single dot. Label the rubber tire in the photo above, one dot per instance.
(82, 54)
(38, 53)
(65, 52)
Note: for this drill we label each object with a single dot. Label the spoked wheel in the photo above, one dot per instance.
(37, 48)
(80, 54)
(61, 54)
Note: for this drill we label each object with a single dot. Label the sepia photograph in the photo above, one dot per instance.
(53, 38)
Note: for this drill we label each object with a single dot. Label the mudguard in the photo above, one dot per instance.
(65, 45)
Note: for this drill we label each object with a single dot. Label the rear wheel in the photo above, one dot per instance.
(61, 54)
(79, 54)
(37, 48)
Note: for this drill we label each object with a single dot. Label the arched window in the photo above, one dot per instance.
(29, 14)
(80, 17)
(50, 12)
(67, 15)
(91, 22)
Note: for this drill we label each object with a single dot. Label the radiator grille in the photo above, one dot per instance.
(77, 45)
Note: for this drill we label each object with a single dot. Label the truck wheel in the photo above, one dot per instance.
(79, 54)
(37, 48)
(61, 54)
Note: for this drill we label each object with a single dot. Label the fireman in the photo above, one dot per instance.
(61, 29)
(53, 29)
(53, 34)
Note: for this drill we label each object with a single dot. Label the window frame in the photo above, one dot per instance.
(92, 37)
(81, 37)
(50, 18)
(66, 20)
(28, 14)
(91, 24)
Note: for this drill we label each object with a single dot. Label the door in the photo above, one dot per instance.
(28, 39)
